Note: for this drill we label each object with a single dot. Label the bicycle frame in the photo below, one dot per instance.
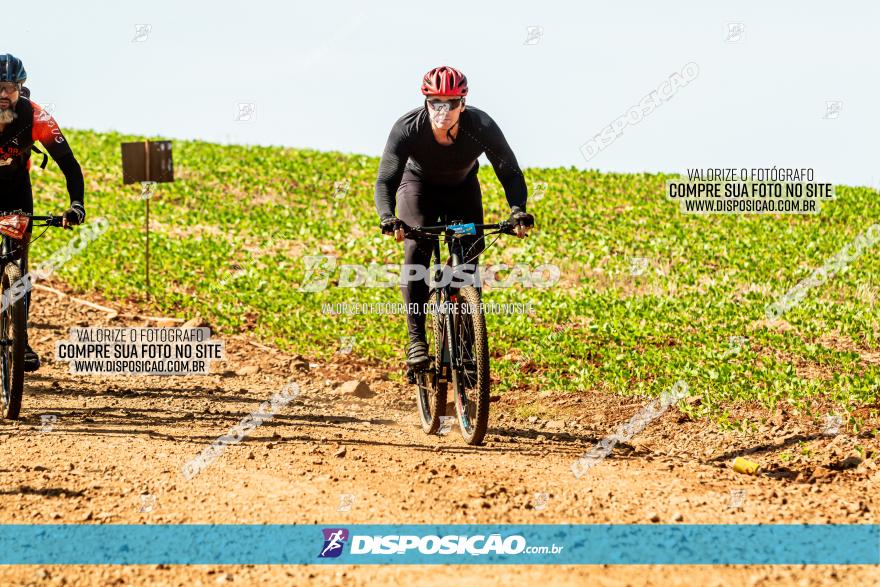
(460, 353)
(450, 358)
(14, 313)
(11, 249)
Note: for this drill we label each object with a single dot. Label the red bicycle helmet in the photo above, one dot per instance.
(444, 81)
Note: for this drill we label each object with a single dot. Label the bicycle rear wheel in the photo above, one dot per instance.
(430, 390)
(471, 380)
(12, 333)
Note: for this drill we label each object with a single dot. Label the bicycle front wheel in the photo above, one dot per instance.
(12, 332)
(471, 378)
(430, 386)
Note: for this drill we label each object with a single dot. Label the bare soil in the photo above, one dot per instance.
(115, 450)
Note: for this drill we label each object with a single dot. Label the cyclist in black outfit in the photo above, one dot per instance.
(23, 123)
(430, 165)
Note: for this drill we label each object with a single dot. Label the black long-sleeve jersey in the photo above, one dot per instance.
(411, 145)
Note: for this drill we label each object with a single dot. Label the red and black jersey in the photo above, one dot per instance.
(33, 124)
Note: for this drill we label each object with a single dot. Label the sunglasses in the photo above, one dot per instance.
(452, 104)
(10, 87)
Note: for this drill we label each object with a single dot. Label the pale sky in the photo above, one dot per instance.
(336, 75)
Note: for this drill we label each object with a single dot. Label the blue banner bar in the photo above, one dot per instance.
(681, 544)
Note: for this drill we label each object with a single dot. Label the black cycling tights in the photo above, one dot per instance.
(422, 204)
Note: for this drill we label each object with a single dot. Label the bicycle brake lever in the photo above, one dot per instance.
(506, 227)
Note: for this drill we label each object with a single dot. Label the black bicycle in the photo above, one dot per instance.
(12, 306)
(458, 344)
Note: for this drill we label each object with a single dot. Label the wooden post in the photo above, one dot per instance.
(147, 217)
(137, 168)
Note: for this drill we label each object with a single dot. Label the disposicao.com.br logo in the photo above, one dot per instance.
(334, 541)
(454, 544)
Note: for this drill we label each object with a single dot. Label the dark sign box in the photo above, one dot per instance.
(147, 161)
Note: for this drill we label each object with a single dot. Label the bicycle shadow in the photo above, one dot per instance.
(766, 447)
(42, 491)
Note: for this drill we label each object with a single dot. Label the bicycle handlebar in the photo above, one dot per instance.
(47, 220)
(450, 229)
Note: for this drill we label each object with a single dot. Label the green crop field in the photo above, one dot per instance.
(229, 238)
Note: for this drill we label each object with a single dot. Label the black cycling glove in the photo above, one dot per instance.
(389, 224)
(76, 214)
(519, 216)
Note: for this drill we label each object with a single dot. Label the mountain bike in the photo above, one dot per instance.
(13, 327)
(458, 344)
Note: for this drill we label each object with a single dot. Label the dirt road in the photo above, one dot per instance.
(114, 450)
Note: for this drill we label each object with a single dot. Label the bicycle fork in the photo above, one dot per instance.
(450, 310)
